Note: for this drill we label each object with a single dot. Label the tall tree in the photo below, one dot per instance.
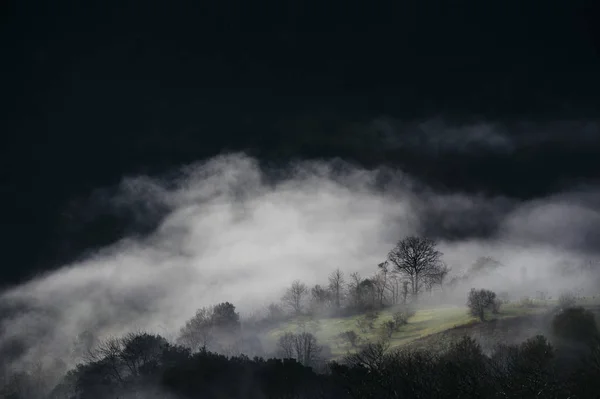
(417, 259)
(336, 286)
(295, 295)
(381, 282)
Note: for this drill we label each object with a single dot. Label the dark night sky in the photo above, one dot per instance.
(93, 91)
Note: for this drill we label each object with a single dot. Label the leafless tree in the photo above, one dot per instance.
(336, 286)
(108, 354)
(417, 259)
(393, 287)
(372, 356)
(295, 295)
(302, 347)
(285, 345)
(307, 348)
(438, 277)
(380, 281)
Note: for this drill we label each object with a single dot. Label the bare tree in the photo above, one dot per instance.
(336, 286)
(302, 347)
(307, 348)
(438, 277)
(380, 282)
(285, 345)
(108, 354)
(355, 288)
(393, 286)
(372, 356)
(417, 259)
(295, 295)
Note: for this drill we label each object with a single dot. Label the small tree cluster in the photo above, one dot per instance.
(413, 266)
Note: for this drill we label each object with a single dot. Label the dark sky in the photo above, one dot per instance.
(93, 91)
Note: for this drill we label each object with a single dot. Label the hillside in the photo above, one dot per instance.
(432, 328)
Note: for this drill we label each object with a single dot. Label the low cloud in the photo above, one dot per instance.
(233, 231)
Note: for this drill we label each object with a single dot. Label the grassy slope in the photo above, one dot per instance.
(432, 327)
(425, 323)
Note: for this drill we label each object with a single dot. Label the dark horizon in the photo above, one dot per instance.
(96, 93)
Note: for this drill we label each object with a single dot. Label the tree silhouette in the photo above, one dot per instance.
(295, 295)
(336, 286)
(418, 260)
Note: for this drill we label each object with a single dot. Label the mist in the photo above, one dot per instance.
(234, 231)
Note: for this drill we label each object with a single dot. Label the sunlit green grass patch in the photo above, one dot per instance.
(425, 322)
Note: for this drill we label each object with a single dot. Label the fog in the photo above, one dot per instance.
(233, 231)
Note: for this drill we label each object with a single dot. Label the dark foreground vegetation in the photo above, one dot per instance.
(147, 366)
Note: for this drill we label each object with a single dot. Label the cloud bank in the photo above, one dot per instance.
(233, 231)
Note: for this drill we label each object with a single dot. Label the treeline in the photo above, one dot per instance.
(145, 365)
